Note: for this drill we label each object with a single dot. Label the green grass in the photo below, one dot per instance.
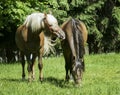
(102, 77)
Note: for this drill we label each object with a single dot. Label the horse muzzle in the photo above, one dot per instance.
(60, 34)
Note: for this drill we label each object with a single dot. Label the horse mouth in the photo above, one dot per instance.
(60, 35)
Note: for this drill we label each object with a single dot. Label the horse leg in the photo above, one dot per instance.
(29, 68)
(23, 65)
(67, 67)
(67, 77)
(83, 68)
(40, 64)
(83, 65)
(66, 53)
(71, 76)
(33, 63)
(71, 66)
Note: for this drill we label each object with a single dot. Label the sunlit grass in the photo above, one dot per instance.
(102, 77)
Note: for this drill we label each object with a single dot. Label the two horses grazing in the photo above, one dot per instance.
(73, 48)
(30, 40)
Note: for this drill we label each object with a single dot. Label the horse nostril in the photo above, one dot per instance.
(63, 37)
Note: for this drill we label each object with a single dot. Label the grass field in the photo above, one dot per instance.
(102, 77)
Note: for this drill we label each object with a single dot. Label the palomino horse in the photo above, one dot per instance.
(29, 39)
(73, 48)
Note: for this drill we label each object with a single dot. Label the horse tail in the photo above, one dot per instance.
(81, 39)
(48, 46)
(78, 40)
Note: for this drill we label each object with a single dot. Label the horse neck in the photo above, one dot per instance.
(35, 22)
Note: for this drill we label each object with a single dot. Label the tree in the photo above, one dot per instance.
(101, 17)
(11, 16)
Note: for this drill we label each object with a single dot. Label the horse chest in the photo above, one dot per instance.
(32, 46)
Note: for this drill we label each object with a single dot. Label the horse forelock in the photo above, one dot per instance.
(34, 21)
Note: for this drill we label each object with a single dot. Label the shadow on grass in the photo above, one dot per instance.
(12, 80)
(57, 82)
(51, 80)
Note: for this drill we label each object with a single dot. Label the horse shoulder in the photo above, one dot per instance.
(41, 36)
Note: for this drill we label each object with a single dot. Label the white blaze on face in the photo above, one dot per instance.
(52, 21)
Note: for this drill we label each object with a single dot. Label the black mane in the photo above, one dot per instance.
(78, 38)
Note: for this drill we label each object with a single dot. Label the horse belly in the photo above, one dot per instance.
(32, 46)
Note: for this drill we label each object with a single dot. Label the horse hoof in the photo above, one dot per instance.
(41, 80)
(71, 81)
(33, 78)
(78, 85)
(29, 79)
(23, 78)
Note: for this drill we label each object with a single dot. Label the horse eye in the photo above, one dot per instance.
(50, 25)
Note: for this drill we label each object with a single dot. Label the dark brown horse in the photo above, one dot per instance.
(30, 40)
(73, 48)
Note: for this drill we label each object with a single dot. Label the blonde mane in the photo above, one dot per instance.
(35, 21)
(48, 46)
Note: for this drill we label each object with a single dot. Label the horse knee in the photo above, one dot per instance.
(40, 66)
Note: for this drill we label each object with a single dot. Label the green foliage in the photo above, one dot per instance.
(116, 17)
(13, 12)
(20, 11)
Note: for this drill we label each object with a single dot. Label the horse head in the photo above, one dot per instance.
(51, 24)
(77, 70)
